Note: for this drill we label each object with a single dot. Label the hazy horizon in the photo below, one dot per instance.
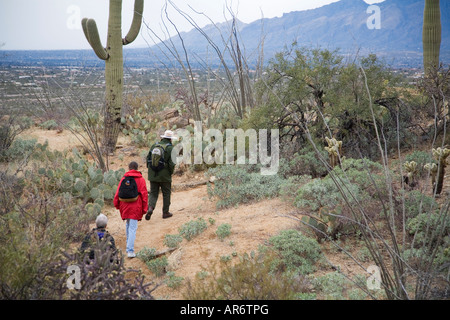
(29, 25)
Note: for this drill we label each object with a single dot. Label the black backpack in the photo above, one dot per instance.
(128, 190)
(155, 158)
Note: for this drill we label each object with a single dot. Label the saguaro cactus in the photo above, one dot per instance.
(112, 54)
(431, 34)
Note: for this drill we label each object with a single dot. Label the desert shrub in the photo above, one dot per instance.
(49, 125)
(353, 177)
(223, 231)
(239, 184)
(158, 265)
(173, 281)
(20, 148)
(192, 228)
(10, 127)
(290, 186)
(34, 232)
(329, 201)
(331, 285)
(324, 193)
(252, 278)
(146, 254)
(416, 202)
(430, 233)
(335, 286)
(296, 252)
(429, 228)
(172, 240)
(306, 162)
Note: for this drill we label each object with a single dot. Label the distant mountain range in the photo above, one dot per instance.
(341, 25)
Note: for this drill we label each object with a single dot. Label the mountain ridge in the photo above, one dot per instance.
(340, 25)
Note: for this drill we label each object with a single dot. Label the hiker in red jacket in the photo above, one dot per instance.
(132, 209)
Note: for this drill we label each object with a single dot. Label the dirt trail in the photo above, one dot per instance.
(251, 225)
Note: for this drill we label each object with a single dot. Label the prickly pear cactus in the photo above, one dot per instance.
(84, 181)
(112, 54)
(140, 127)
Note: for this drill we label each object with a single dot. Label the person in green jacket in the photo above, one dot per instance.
(160, 169)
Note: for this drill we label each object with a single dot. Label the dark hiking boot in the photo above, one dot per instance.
(149, 213)
(167, 215)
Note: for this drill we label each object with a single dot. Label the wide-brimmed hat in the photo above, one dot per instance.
(169, 135)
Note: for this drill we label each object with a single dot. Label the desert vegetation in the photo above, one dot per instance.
(363, 156)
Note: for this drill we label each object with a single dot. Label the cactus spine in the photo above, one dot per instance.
(112, 54)
(431, 34)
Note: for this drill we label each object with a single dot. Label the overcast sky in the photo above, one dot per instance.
(56, 24)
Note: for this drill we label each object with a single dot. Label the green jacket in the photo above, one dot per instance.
(165, 175)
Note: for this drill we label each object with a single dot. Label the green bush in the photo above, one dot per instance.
(173, 281)
(49, 125)
(158, 266)
(172, 240)
(335, 286)
(146, 254)
(193, 228)
(416, 202)
(223, 231)
(20, 148)
(328, 202)
(291, 185)
(237, 184)
(296, 252)
(428, 228)
(306, 162)
(252, 278)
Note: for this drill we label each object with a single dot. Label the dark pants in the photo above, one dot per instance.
(166, 188)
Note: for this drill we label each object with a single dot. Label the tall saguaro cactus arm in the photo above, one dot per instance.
(112, 54)
(136, 24)
(91, 32)
(431, 34)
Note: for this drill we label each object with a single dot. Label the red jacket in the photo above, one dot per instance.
(133, 210)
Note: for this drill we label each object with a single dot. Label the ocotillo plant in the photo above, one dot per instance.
(112, 54)
(431, 34)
